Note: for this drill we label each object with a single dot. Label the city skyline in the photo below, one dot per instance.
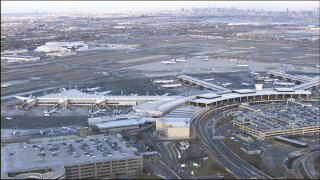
(142, 6)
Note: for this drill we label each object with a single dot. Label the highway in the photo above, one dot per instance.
(167, 152)
(216, 147)
(307, 166)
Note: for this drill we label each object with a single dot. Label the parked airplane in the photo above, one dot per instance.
(166, 94)
(180, 60)
(245, 84)
(9, 118)
(93, 89)
(98, 112)
(163, 81)
(269, 80)
(48, 113)
(24, 98)
(5, 85)
(226, 84)
(170, 85)
(65, 127)
(284, 83)
(102, 93)
(168, 62)
(252, 73)
(242, 65)
(211, 79)
(318, 66)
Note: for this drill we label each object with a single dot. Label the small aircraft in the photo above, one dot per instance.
(180, 60)
(65, 127)
(168, 62)
(163, 81)
(170, 85)
(211, 79)
(24, 98)
(284, 83)
(5, 85)
(252, 73)
(48, 113)
(102, 93)
(93, 89)
(166, 94)
(318, 66)
(242, 65)
(226, 84)
(245, 84)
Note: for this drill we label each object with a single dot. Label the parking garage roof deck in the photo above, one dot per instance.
(24, 157)
(295, 117)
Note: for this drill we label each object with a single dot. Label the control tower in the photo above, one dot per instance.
(259, 83)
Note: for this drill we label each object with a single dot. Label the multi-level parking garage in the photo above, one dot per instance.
(266, 121)
(71, 157)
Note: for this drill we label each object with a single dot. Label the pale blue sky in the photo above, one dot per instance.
(143, 6)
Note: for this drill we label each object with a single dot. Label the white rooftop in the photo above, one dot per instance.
(118, 123)
(209, 95)
(236, 95)
(244, 91)
(284, 89)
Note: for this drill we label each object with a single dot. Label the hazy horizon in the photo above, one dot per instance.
(144, 6)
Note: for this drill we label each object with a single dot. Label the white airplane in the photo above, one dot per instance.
(163, 81)
(65, 127)
(93, 89)
(102, 93)
(253, 73)
(98, 112)
(245, 84)
(242, 65)
(318, 66)
(168, 62)
(180, 60)
(269, 80)
(170, 85)
(284, 83)
(9, 118)
(226, 84)
(211, 79)
(5, 85)
(48, 113)
(24, 98)
(166, 94)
